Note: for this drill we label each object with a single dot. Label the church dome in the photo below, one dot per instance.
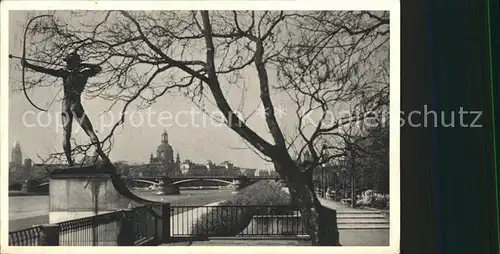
(164, 148)
(164, 151)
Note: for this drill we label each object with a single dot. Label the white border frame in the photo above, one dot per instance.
(392, 5)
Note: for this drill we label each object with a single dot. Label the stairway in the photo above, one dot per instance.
(361, 219)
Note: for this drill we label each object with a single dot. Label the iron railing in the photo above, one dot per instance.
(100, 230)
(146, 226)
(192, 221)
(25, 237)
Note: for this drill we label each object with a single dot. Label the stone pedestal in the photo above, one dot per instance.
(82, 192)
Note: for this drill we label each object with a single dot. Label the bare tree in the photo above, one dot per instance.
(323, 60)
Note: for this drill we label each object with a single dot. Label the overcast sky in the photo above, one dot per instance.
(132, 144)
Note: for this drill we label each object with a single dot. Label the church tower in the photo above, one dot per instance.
(17, 155)
(178, 159)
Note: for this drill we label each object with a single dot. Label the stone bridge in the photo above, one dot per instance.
(185, 179)
(170, 184)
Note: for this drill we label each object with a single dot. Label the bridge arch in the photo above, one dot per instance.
(143, 181)
(201, 179)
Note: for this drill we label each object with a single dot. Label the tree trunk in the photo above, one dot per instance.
(309, 204)
(328, 234)
(303, 194)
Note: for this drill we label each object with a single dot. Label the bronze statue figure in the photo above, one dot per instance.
(75, 77)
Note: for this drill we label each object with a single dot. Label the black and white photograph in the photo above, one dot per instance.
(180, 124)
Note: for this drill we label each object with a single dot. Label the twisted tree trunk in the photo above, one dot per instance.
(303, 195)
(301, 187)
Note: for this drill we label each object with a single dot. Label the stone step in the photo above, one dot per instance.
(363, 226)
(360, 216)
(357, 212)
(366, 221)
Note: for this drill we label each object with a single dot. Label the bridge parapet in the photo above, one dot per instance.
(179, 178)
(158, 181)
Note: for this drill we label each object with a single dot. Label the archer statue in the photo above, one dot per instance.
(75, 77)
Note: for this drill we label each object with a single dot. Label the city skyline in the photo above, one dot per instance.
(145, 162)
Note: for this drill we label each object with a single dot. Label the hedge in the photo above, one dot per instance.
(230, 221)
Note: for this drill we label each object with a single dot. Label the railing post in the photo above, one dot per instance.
(166, 222)
(49, 235)
(156, 231)
(126, 235)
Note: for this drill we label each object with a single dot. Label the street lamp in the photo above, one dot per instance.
(323, 185)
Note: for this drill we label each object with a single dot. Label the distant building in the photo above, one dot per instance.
(267, 173)
(188, 168)
(163, 164)
(249, 172)
(226, 168)
(17, 154)
(19, 171)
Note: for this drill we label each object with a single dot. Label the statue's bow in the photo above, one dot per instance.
(24, 59)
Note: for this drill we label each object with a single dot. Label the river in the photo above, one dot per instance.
(25, 211)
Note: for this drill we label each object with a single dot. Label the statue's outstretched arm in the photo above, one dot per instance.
(56, 73)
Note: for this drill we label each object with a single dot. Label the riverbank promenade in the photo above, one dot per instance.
(357, 227)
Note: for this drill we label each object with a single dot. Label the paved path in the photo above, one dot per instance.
(336, 205)
(364, 237)
(237, 242)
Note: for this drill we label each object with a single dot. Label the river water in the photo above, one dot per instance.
(25, 211)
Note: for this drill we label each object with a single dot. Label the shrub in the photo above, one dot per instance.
(263, 193)
(370, 198)
(223, 221)
(380, 201)
(366, 198)
(231, 220)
